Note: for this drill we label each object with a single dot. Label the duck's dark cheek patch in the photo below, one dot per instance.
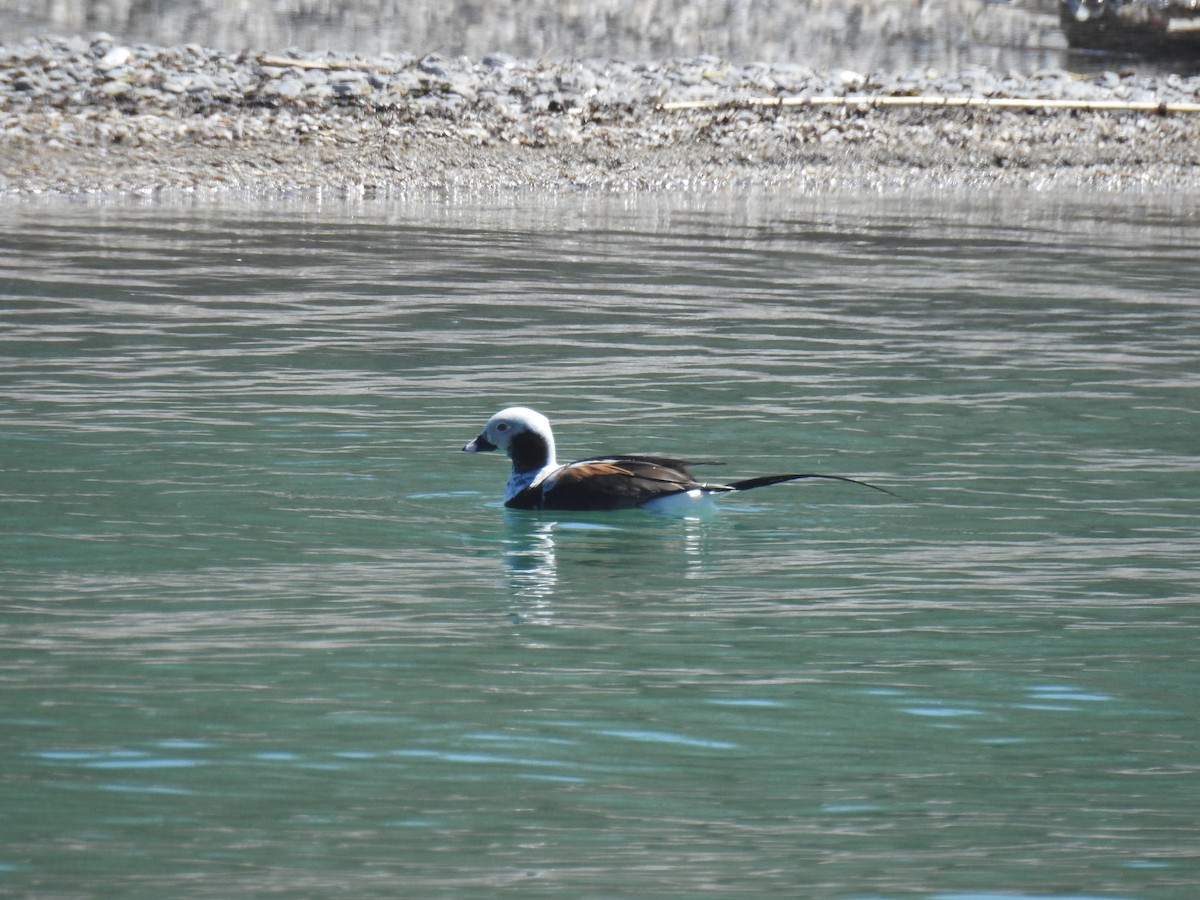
(528, 452)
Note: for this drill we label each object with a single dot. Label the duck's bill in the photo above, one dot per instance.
(479, 445)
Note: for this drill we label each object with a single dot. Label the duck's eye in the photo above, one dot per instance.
(502, 427)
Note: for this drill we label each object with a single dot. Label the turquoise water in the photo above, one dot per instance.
(266, 630)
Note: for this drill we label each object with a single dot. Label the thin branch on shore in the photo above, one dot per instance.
(284, 62)
(1154, 106)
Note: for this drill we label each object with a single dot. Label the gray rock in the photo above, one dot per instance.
(115, 58)
(289, 88)
(499, 60)
(434, 64)
(116, 88)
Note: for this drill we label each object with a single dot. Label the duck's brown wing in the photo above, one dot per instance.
(667, 462)
(618, 482)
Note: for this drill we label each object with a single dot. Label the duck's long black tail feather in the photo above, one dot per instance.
(747, 484)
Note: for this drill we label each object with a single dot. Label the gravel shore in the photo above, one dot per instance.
(94, 116)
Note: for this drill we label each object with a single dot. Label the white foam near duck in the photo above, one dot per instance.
(655, 483)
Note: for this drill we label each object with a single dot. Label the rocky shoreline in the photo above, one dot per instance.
(92, 116)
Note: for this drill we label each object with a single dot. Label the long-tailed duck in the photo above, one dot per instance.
(655, 483)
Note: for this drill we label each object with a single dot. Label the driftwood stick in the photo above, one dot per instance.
(934, 101)
(284, 62)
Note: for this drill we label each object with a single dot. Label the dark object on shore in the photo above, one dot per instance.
(1145, 27)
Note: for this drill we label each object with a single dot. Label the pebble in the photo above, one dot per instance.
(54, 93)
(114, 58)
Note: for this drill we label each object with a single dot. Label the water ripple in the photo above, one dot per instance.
(260, 612)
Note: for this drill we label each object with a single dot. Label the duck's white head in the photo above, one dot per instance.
(521, 433)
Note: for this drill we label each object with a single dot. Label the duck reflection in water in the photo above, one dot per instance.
(548, 557)
(531, 557)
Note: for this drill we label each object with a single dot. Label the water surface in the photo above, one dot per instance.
(265, 629)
